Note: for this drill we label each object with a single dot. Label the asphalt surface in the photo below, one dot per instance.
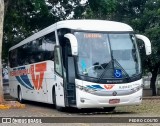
(150, 108)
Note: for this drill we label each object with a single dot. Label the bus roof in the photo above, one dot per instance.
(89, 25)
(94, 25)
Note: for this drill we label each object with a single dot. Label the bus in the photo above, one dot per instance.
(79, 63)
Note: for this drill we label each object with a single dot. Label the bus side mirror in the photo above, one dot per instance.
(146, 42)
(73, 42)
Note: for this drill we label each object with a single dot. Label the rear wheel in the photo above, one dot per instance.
(20, 95)
(109, 109)
(54, 96)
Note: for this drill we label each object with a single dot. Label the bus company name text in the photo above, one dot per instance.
(22, 72)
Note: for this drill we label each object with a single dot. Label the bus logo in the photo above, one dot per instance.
(37, 74)
(114, 93)
(109, 86)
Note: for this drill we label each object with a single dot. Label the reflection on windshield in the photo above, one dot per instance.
(125, 53)
(96, 52)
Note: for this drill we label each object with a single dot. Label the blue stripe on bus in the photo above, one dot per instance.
(26, 81)
(95, 86)
(25, 78)
(89, 86)
(23, 84)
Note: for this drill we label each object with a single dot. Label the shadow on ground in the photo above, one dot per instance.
(70, 110)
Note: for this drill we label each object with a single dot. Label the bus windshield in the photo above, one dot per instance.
(107, 56)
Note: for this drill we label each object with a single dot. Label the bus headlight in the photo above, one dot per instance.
(82, 100)
(85, 89)
(137, 88)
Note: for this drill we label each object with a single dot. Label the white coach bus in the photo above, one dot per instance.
(79, 63)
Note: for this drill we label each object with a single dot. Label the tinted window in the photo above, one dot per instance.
(37, 50)
(13, 58)
(48, 43)
(36, 53)
(58, 61)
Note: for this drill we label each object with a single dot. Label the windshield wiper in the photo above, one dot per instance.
(122, 69)
(106, 68)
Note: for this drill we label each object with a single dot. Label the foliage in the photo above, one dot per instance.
(143, 16)
(24, 17)
(101, 9)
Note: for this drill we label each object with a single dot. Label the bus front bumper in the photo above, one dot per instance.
(87, 100)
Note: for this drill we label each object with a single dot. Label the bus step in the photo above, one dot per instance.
(69, 89)
(71, 86)
(73, 101)
(70, 96)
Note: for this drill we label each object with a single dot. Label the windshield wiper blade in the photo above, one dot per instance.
(122, 69)
(106, 68)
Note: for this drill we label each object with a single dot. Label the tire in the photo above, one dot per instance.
(20, 95)
(54, 97)
(109, 109)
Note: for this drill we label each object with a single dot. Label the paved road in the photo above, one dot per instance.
(148, 108)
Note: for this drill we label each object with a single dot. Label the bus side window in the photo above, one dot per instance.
(10, 59)
(58, 61)
(22, 53)
(13, 57)
(49, 43)
(34, 52)
(20, 57)
(40, 54)
(26, 49)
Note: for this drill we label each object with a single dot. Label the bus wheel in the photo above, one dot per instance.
(61, 109)
(109, 109)
(20, 95)
(54, 101)
(54, 96)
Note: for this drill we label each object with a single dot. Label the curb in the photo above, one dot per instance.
(151, 97)
(11, 105)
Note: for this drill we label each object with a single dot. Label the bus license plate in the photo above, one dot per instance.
(114, 101)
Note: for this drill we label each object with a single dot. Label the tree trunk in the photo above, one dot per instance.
(153, 79)
(1, 36)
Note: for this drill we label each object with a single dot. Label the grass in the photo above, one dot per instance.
(147, 108)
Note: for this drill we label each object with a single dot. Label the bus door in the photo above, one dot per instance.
(59, 88)
(69, 72)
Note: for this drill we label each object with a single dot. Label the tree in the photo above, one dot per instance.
(68, 9)
(145, 19)
(23, 18)
(101, 9)
(143, 16)
(151, 17)
(1, 35)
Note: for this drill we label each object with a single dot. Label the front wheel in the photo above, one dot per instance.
(109, 109)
